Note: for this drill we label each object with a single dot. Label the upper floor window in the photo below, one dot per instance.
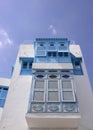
(65, 54)
(60, 54)
(26, 67)
(3, 94)
(77, 68)
(53, 54)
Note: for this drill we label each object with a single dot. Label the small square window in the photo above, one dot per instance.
(66, 54)
(60, 54)
(54, 54)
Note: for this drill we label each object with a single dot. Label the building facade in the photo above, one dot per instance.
(49, 88)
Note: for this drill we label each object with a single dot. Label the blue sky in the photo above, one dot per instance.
(22, 20)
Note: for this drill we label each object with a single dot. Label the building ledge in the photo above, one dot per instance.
(51, 120)
(52, 66)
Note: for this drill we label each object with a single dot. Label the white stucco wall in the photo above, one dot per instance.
(13, 117)
(85, 99)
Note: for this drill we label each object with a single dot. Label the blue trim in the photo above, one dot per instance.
(51, 39)
(77, 68)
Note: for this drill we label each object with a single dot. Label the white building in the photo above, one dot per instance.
(49, 88)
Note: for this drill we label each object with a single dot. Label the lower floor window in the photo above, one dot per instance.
(3, 94)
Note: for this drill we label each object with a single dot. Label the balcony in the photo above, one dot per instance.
(54, 118)
(53, 102)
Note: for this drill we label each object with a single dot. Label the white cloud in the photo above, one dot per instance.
(1, 44)
(52, 28)
(5, 39)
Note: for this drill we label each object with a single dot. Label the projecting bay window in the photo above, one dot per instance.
(53, 93)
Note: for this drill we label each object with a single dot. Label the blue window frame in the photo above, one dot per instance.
(52, 50)
(26, 67)
(3, 94)
(77, 67)
(60, 54)
(65, 54)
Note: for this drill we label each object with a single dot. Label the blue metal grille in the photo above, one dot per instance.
(53, 94)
